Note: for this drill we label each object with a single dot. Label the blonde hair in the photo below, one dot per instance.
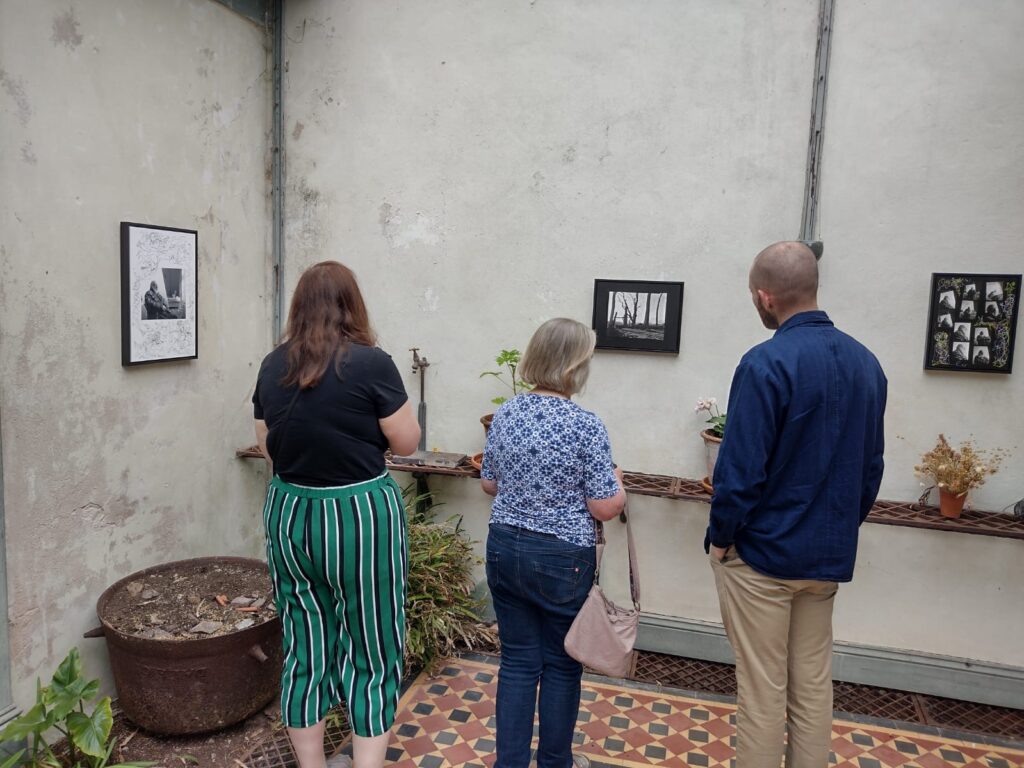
(558, 356)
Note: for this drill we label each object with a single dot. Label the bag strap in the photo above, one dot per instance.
(634, 574)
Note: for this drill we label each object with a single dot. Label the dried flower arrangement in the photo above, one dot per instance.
(958, 471)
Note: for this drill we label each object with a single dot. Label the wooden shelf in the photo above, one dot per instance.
(905, 514)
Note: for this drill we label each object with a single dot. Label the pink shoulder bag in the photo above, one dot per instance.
(603, 634)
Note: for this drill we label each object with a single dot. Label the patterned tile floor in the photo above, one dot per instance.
(448, 720)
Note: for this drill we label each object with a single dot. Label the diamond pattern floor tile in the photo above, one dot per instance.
(619, 725)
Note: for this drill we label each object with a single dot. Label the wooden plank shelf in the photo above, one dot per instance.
(904, 514)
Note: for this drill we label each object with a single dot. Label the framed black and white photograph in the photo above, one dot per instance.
(972, 322)
(638, 315)
(158, 294)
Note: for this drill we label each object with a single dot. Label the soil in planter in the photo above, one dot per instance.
(192, 602)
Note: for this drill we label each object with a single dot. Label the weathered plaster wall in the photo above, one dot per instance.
(924, 172)
(478, 164)
(150, 112)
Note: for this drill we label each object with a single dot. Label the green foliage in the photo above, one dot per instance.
(508, 362)
(441, 615)
(60, 706)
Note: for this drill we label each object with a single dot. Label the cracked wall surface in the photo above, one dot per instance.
(146, 112)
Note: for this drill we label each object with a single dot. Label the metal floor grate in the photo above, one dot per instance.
(968, 716)
(688, 674)
(875, 702)
(276, 752)
(850, 698)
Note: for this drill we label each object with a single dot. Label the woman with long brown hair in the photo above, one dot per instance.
(328, 403)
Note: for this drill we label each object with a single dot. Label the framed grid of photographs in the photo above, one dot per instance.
(638, 315)
(972, 322)
(158, 294)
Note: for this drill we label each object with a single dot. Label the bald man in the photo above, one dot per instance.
(797, 473)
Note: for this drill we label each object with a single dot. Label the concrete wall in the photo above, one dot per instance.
(151, 112)
(479, 164)
(924, 172)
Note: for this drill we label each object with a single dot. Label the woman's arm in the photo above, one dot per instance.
(402, 430)
(490, 486)
(609, 508)
(261, 438)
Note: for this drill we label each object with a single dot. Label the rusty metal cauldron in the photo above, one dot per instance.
(176, 687)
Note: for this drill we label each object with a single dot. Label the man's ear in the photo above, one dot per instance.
(767, 300)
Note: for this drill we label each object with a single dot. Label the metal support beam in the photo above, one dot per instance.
(812, 182)
(277, 170)
(7, 712)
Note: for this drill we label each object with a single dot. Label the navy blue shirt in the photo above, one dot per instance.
(801, 461)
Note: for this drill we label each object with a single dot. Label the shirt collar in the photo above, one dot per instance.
(814, 317)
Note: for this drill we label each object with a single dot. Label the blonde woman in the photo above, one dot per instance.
(548, 464)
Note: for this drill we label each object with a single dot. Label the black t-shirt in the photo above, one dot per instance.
(333, 436)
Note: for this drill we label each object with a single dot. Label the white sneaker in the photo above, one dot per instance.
(578, 761)
(340, 761)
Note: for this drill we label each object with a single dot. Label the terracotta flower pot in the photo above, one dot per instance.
(951, 504)
(486, 421)
(711, 446)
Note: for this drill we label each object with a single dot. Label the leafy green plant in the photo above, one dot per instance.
(60, 706)
(508, 362)
(441, 615)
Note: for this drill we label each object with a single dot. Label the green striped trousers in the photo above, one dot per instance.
(339, 565)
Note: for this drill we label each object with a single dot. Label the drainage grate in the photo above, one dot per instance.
(968, 716)
(876, 702)
(689, 674)
(276, 752)
(850, 698)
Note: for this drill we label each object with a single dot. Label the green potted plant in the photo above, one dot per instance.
(61, 707)
(956, 472)
(508, 362)
(712, 435)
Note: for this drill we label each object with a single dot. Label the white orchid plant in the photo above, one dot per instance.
(716, 418)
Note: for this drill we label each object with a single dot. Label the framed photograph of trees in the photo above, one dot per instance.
(972, 322)
(638, 315)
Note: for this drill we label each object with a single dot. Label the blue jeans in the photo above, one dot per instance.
(538, 584)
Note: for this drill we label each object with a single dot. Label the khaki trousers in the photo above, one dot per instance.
(781, 633)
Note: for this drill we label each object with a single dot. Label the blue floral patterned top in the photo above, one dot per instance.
(548, 457)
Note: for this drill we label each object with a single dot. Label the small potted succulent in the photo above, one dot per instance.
(956, 472)
(712, 435)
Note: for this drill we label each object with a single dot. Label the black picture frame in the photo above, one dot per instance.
(159, 294)
(623, 320)
(972, 322)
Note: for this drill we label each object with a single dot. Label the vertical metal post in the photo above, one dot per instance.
(277, 165)
(812, 181)
(7, 709)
